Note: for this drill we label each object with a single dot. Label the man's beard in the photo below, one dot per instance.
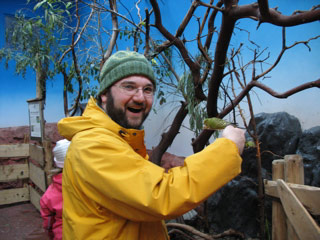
(119, 116)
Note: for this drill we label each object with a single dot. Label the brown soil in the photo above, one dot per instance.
(21, 221)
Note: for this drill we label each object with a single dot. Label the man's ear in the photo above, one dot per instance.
(103, 98)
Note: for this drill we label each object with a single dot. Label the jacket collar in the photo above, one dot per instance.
(95, 117)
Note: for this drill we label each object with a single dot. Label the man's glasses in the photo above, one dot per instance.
(130, 89)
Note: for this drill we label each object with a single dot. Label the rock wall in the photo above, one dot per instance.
(21, 134)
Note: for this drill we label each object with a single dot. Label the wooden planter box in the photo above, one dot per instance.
(32, 171)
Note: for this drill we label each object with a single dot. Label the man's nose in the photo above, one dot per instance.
(139, 95)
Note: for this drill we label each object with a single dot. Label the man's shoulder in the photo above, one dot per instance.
(96, 134)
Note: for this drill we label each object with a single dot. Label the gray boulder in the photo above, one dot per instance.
(309, 149)
(279, 135)
(236, 204)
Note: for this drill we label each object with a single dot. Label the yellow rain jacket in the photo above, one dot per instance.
(112, 191)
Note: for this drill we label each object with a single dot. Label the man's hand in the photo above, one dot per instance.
(236, 135)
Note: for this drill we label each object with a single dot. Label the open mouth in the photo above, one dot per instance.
(134, 110)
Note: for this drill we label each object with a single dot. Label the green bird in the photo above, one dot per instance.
(220, 124)
(215, 123)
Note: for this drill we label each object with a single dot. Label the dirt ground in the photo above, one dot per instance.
(21, 221)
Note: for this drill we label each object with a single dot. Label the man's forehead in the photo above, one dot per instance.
(136, 80)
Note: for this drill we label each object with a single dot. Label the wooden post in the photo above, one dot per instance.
(304, 225)
(41, 77)
(48, 159)
(294, 173)
(279, 225)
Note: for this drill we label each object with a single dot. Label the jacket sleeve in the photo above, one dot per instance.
(112, 174)
(46, 210)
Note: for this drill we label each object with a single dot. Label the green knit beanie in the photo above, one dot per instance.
(124, 64)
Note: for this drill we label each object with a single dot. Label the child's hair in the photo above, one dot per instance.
(60, 151)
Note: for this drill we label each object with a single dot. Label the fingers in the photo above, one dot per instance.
(236, 135)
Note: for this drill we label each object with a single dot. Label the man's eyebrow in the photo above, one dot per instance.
(128, 82)
(134, 83)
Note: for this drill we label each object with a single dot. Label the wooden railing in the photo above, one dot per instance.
(37, 161)
(293, 202)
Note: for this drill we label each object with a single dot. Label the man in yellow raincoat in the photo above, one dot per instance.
(110, 189)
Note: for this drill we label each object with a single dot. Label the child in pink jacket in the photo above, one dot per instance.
(51, 202)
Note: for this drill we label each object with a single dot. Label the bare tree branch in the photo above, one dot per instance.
(284, 48)
(190, 229)
(75, 42)
(185, 236)
(176, 41)
(202, 235)
(175, 74)
(187, 18)
(65, 92)
(115, 31)
(211, 6)
(194, 66)
(137, 7)
(264, 8)
(273, 93)
(147, 48)
(225, 34)
(168, 137)
(273, 16)
(211, 27)
(79, 79)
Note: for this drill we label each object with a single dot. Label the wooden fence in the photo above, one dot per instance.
(294, 203)
(37, 161)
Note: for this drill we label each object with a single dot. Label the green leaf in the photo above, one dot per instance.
(162, 101)
(250, 144)
(68, 4)
(38, 22)
(29, 27)
(154, 62)
(38, 5)
(143, 23)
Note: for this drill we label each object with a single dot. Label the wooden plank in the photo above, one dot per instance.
(13, 172)
(48, 158)
(48, 155)
(309, 196)
(279, 224)
(293, 173)
(34, 198)
(14, 195)
(294, 169)
(37, 176)
(36, 153)
(278, 169)
(304, 225)
(14, 150)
